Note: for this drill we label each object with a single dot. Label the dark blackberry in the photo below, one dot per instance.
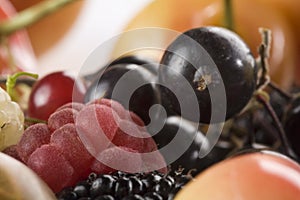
(163, 187)
(105, 197)
(137, 185)
(127, 186)
(82, 189)
(152, 196)
(150, 179)
(67, 194)
(123, 187)
(104, 184)
(133, 197)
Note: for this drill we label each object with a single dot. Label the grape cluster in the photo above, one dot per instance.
(79, 139)
(127, 186)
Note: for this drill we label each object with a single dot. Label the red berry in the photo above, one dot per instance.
(117, 158)
(67, 140)
(51, 92)
(97, 125)
(51, 165)
(33, 137)
(129, 135)
(61, 117)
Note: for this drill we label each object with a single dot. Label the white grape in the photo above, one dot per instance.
(11, 121)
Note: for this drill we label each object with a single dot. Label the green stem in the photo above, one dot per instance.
(228, 15)
(31, 15)
(12, 79)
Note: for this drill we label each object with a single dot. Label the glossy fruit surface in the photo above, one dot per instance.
(182, 137)
(211, 59)
(51, 92)
(16, 53)
(130, 84)
(251, 176)
(184, 15)
(25, 186)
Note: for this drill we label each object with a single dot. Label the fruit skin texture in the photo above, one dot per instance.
(257, 176)
(28, 186)
(236, 69)
(186, 14)
(19, 46)
(52, 91)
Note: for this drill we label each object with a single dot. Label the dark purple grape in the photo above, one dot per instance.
(210, 59)
(188, 140)
(130, 84)
(130, 59)
(292, 125)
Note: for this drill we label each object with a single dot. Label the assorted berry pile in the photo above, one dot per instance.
(127, 186)
(79, 139)
(115, 146)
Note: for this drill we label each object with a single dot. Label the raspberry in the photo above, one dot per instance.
(50, 164)
(75, 105)
(97, 125)
(128, 135)
(33, 137)
(117, 158)
(61, 117)
(67, 140)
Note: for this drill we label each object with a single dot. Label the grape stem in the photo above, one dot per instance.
(284, 94)
(31, 15)
(262, 60)
(228, 20)
(282, 136)
(12, 79)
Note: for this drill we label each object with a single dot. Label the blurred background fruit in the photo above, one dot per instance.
(45, 33)
(280, 17)
(257, 176)
(15, 51)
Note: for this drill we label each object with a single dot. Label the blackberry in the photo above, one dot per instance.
(127, 186)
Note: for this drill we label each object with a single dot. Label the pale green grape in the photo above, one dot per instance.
(11, 121)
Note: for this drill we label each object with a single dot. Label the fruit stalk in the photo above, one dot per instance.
(284, 141)
(31, 15)
(228, 20)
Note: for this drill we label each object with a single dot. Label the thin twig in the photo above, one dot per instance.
(284, 94)
(262, 60)
(282, 136)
